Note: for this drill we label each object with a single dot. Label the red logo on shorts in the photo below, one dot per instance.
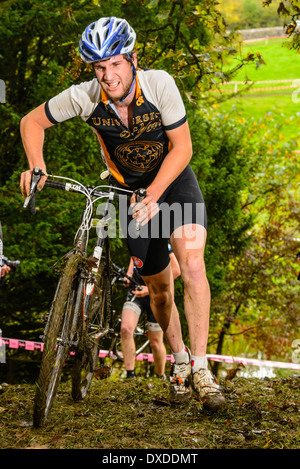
(137, 262)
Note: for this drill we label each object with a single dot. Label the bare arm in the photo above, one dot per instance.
(130, 268)
(144, 290)
(32, 129)
(176, 160)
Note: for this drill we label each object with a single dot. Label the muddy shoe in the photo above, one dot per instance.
(205, 384)
(181, 389)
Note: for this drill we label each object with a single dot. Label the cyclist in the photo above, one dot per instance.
(140, 121)
(137, 302)
(4, 267)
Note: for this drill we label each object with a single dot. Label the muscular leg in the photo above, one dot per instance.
(128, 325)
(159, 351)
(161, 290)
(189, 250)
(188, 244)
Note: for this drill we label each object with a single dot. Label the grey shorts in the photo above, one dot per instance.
(140, 305)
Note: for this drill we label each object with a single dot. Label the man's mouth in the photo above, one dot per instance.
(113, 85)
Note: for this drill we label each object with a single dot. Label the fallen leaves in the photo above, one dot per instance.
(231, 374)
(35, 445)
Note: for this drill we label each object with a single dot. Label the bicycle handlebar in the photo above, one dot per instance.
(122, 275)
(12, 264)
(76, 186)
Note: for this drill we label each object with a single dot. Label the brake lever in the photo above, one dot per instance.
(140, 195)
(37, 173)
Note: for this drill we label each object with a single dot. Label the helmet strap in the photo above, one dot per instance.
(133, 81)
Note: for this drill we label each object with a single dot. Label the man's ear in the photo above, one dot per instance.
(134, 59)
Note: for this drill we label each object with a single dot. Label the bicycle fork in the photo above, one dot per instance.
(98, 249)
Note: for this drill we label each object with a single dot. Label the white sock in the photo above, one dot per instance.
(181, 357)
(198, 362)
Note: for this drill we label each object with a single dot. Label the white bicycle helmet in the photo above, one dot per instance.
(106, 38)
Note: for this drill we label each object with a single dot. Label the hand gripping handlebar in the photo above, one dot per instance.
(29, 203)
(140, 195)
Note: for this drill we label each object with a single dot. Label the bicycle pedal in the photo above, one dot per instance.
(103, 372)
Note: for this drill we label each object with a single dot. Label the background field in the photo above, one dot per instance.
(281, 63)
(265, 98)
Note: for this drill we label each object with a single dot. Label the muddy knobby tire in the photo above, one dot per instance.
(54, 355)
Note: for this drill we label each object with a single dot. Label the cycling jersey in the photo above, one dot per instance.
(133, 156)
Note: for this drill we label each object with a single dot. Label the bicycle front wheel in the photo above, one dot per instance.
(57, 341)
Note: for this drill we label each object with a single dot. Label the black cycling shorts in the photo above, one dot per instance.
(182, 203)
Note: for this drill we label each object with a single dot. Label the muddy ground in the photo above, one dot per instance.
(137, 414)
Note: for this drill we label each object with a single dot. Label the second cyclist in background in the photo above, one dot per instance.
(137, 303)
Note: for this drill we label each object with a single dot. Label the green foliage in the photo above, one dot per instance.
(248, 14)
(289, 12)
(222, 163)
(261, 281)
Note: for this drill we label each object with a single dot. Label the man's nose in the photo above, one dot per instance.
(108, 74)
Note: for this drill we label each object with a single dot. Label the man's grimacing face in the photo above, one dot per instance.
(115, 75)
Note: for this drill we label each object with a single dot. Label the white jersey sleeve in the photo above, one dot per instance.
(78, 100)
(161, 90)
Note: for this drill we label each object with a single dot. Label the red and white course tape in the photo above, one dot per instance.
(31, 346)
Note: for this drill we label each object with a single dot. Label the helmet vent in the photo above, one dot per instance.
(98, 41)
(130, 40)
(123, 30)
(105, 34)
(114, 46)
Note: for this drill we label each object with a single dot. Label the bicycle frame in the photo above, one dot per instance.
(92, 194)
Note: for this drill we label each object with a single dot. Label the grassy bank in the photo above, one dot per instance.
(265, 99)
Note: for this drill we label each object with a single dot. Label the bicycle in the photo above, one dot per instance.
(81, 314)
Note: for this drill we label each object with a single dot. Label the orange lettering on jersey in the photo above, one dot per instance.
(140, 101)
